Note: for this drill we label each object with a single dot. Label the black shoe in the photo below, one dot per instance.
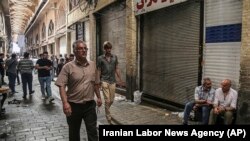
(24, 97)
(51, 99)
(31, 92)
(184, 123)
(3, 110)
(14, 92)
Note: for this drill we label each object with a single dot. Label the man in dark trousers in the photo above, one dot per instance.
(79, 76)
(25, 66)
(11, 65)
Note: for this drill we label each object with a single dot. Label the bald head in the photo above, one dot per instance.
(225, 85)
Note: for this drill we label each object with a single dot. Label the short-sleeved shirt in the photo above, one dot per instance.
(25, 66)
(44, 72)
(229, 101)
(80, 81)
(107, 68)
(200, 94)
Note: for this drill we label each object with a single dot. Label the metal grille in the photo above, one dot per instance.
(171, 52)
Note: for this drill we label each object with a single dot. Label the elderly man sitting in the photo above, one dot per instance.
(203, 96)
(224, 103)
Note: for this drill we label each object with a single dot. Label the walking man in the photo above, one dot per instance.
(25, 66)
(79, 76)
(44, 66)
(11, 71)
(107, 66)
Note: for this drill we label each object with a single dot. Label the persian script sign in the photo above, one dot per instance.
(144, 6)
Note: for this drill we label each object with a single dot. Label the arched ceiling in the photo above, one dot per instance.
(21, 11)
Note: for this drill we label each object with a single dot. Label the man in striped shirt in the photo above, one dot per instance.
(25, 66)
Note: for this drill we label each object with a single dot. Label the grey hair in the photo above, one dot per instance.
(205, 79)
(78, 42)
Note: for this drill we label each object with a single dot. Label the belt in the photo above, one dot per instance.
(82, 103)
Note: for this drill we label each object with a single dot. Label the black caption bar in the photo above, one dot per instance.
(135, 132)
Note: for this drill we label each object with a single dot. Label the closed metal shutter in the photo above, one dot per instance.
(223, 41)
(113, 21)
(171, 52)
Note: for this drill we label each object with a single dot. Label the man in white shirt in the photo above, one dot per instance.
(224, 103)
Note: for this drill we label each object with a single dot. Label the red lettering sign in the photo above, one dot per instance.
(140, 5)
(150, 2)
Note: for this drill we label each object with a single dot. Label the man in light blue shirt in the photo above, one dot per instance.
(204, 96)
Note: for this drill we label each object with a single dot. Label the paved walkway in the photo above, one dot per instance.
(128, 113)
(36, 120)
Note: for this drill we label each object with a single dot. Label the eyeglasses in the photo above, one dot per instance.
(81, 49)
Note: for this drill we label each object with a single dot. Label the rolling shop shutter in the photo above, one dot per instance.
(223, 41)
(171, 52)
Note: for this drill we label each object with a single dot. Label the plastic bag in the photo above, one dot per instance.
(137, 97)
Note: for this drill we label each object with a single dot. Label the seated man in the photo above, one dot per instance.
(203, 96)
(224, 103)
(3, 96)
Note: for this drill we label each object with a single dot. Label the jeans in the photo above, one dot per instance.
(17, 77)
(45, 83)
(86, 112)
(12, 81)
(27, 79)
(205, 112)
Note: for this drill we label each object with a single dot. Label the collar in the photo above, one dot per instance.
(104, 55)
(80, 64)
